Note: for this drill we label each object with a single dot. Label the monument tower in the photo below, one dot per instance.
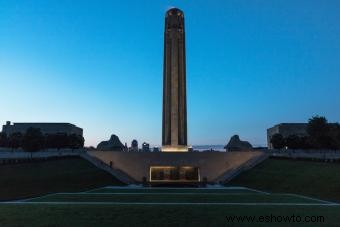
(175, 166)
(174, 134)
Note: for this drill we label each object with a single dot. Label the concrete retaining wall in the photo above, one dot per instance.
(212, 164)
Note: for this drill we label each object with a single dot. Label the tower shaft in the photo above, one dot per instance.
(174, 134)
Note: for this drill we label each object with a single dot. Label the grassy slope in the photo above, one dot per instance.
(61, 175)
(152, 215)
(316, 179)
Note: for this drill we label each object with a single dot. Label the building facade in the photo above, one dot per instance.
(286, 129)
(45, 128)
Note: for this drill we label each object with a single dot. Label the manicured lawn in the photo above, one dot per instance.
(42, 177)
(179, 205)
(154, 215)
(315, 179)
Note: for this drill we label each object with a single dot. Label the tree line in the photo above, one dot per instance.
(34, 140)
(320, 135)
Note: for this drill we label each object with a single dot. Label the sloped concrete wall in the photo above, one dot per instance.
(212, 164)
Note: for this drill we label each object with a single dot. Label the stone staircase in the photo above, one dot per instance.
(232, 173)
(120, 175)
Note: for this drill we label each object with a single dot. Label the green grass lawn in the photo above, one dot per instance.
(315, 179)
(61, 175)
(179, 207)
(153, 215)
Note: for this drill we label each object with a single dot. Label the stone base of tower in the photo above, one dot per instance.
(177, 148)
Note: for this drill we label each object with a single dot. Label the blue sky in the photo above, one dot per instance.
(98, 64)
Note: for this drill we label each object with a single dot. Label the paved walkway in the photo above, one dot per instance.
(39, 154)
(169, 203)
(330, 155)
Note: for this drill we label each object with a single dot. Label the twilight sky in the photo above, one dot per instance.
(98, 64)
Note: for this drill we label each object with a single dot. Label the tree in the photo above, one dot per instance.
(335, 135)
(15, 140)
(61, 140)
(293, 142)
(317, 126)
(327, 142)
(304, 142)
(50, 141)
(318, 130)
(33, 140)
(277, 141)
(75, 141)
(3, 139)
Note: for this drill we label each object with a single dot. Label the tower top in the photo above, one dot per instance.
(174, 19)
(174, 11)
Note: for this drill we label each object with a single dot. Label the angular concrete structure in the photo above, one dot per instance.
(214, 167)
(174, 134)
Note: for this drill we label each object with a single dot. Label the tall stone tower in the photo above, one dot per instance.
(174, 134)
